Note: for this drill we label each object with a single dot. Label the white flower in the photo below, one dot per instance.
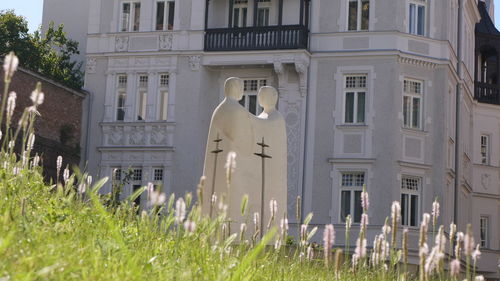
(157, 198)
(386, 230)
(479, 278)
(189, 226)
(59, 162)
(36, 160)
(37, 97)
(476, 254)
(364, 220)
(365, 200)
(284, 225)
(348, 222)
(11, 144)
(303, 233)
(66, 175)
(11, 104)
(468, 244)
(360, 250)
(16, 170)
(310, 253)
(89, 180)
(435, 211)
(180, 210)
(82, 187)
(273, 206)
(10, 64)
(31, 142)
(328, 237)
(0, 134)
(230, 165)
(454, 268)
(395, 211)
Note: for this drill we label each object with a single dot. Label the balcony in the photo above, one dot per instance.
(256, 38)
(487, 93)
(246, 25)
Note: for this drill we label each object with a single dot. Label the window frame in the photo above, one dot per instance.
(485, 158)
(409, 193)
(415, 23)
(121, 91)
(242, 21)
(359, 15)
(484, 241)
(352, 189)
(356, 91)
(131, 21)
(142, 97)
(413, 96)
(261, 82)
(166, 25)
(162, 110)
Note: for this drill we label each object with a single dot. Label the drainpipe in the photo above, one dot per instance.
(87, 130)
(457, 111)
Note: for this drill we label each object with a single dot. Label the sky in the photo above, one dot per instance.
(32, 10)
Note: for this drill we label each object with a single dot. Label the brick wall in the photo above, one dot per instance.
(59, 128)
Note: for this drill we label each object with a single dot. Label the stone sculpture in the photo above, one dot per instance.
(261, 156)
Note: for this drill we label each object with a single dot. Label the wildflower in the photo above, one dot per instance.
(10, 64)
(395, 216)
(11, 105)
(298, 208)
(468, 244)
(364, 221)
(303, 234)
(365, 201)
(157, 198)
(36, 161)
(31, 142)
(453, 231)
(328, 238)
(37, 96)
(180, 210)
(435, 212)
(243, 230)
(476, 254)
(150, 188)
(454, 268)
(479, 278)
(24, 158)
(189, 226)
(405, 245)
(58, 164)
(230, 166)
(66, 175)
(360, 250)
(82, 187)
(11, 144)
(386, 230)
(273, 206)
(89, 180)
(0, 134)
(355, 260)
(348, 222)
(310, 253)
(458, 244)
(441, 239)
(214, 199)
(16, 170)
(284, 226)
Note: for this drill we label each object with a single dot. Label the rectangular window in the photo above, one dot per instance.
(350, 193)
(137, 174)
(412, 104)
(240, 13)
(158, 175)
(485, 149)
(263, 17)
(142, 96)
(130, 16)
(355, 99)
(410, 190)
(358, 15)
(117, 174)
(163, 97)
(483, 228)
(121, 97)
(165, 15)
(417, 17)
(250, 90)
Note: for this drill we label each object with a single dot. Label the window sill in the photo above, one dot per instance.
(353, 126)
(415, 131)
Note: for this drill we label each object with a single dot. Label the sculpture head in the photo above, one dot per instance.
(268, 97)
(233, 88)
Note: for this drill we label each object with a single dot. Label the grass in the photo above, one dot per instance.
(69, 231)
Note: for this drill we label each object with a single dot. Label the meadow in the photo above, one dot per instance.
(68, 230)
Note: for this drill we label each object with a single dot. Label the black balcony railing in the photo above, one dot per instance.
(256, 38)
(487, 93)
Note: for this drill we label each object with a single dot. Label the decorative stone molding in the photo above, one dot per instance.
(138, 134)
(90, 65)
(121, 43)
(166, 41)
(301, 66)
(416, 62)
(194, 62)
(292, 114)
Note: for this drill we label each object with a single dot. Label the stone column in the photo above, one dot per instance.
(110, 97)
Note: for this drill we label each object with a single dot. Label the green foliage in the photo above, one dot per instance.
(49, 54)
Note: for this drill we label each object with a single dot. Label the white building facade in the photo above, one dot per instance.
(368, 89)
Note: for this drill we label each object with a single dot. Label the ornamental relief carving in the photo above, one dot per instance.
(158, 135)
(121, 43)
(166, 41)
(90, 66)
(142, 135)
(293, 128)
(137, 136)
(194, 62)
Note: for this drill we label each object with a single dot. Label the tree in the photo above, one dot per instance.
(49, 54)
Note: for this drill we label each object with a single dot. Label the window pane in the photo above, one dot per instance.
(244, 17)
(404, 209)
(353, 15)
(125, 16)
(361, 108)
(413, 211)
(406, 111)
(349, 108)
(163, 105)
(345, 204)
(171, 10)
(236, 17)
(263, 17)
(358, 210)
(160, 15)
(412, 18)
(137, 14)
(365, 14)
(252, 104)
(421, 20)
(416, 113)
